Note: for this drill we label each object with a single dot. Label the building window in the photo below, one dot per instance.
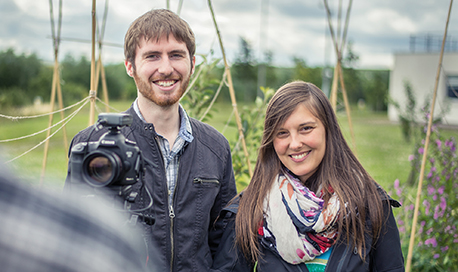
(452, 87)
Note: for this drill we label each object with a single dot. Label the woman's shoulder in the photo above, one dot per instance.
(384, 196)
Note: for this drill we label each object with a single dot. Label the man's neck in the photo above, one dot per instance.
(166, 120)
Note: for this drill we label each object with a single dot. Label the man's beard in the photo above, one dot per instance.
(146, 89)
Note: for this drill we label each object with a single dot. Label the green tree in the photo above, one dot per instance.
(352, 79)
(376, 89)
(16, 73)
(244, 73)
(309, 74)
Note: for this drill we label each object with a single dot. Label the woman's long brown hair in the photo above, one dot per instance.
(339, 170)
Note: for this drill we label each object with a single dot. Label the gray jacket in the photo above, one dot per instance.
(186, 238)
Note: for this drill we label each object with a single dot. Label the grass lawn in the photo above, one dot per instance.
(379, 144)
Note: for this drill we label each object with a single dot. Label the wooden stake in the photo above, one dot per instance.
(232, 93)
(423, 161)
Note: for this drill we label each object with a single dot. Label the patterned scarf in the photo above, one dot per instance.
(295, 222)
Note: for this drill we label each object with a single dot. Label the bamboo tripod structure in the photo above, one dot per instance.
(423, 161)
(56, 87)
(338, 72)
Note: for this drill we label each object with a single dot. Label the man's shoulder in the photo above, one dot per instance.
(205, 132)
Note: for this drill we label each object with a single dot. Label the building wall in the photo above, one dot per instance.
(420, 70)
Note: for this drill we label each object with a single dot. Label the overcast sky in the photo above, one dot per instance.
(377, 28)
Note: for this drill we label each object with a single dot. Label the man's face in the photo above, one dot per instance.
(162, 70)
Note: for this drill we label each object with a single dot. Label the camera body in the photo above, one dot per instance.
(113, 160)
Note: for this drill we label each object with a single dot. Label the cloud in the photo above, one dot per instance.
(377, 28)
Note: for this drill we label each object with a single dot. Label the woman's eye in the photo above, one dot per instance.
(306, 128)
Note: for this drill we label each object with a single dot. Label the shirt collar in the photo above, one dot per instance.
(185, 125)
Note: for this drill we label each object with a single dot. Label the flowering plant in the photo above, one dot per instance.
(436, 247)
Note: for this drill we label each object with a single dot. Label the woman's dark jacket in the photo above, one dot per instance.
(385, 255)
(186, 239)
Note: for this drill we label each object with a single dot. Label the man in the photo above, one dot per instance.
(189, 168)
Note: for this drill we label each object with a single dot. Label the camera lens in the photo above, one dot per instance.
(101, 168)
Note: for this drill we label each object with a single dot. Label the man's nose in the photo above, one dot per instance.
(165, 67)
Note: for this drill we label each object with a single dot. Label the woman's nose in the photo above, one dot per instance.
(296, 142)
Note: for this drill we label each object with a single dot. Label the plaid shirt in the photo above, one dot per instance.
(172, 156)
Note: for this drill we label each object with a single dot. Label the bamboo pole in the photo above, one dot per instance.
(56, 87)
(100, 67)
(93, 88)
(428, 135)
(335, 83)
(231, 92)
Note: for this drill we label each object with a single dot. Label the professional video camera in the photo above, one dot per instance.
(110, 166)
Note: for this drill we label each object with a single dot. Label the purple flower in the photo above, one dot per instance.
(427, 206)
(440, 190)
(411, 157)
(402, 229)
(436, 213)
(431, 190)
(431, 241)
(439, 143)
(443, 203)
(428, 232)
(436, 256)
(445, 248)
(396, 184)
(430, 174)
(421, 150)
(433, 169)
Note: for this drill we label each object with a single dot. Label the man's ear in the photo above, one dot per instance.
(129, 68)
(193, 64)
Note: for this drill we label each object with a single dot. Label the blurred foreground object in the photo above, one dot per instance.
(41, 231)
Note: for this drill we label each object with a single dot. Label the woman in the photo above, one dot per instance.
(310, 205)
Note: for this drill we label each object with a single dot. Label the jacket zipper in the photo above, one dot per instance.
(202, 181)
(172, 249)
(171, 213)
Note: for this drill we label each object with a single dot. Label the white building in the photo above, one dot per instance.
(420, 70)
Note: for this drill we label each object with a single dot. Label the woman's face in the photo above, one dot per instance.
(300, 143)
